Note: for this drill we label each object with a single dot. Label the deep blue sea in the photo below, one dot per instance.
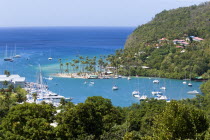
(36, 44)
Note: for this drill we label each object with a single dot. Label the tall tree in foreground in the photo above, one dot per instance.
(91, 119)
(180, 121)
(28, 121)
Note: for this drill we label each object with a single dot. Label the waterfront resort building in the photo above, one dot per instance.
(15, 80)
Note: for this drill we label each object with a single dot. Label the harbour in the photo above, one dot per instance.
(35, 50)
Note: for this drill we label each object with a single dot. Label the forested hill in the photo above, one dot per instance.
(174, 24)
(175, 44)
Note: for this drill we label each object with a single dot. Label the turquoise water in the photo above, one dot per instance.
(34, 44)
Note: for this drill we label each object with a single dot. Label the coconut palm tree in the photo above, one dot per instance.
(67, 67)
(61, 67)
(60, 62)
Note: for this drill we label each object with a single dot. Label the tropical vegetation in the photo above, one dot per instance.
(150, 50)
(98, 119)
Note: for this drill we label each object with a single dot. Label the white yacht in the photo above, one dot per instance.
(49, 78)
(155, 81)
(193, 92)
(156, 93)
(162, 98)
(184, 82)
(129, 78)
(143, 97)
(136, 94)
(163, 88)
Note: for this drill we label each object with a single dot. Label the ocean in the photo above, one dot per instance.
(37, 44)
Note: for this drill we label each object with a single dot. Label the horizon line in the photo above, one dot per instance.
(63, 26)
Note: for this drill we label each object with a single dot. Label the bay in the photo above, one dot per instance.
(35, 45)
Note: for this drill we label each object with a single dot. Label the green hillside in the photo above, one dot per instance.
(175, 44)
(172, 24)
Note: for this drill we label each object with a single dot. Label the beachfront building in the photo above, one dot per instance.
(15, 80)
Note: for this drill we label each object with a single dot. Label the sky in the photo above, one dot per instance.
(15, 13)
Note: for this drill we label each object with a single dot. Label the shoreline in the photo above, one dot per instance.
(84, 75)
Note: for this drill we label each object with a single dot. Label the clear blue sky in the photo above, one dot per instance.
(84, 12)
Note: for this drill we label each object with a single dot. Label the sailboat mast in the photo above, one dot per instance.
(6, 52)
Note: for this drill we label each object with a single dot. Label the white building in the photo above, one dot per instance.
(15, 80)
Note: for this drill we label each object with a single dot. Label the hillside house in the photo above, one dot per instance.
(180, 42)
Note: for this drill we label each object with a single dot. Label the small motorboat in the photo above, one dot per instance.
(92, 83)
(114, 87)
(49, 78)
(155, 81)
(189, 84)
(163, 88)
(129, 78)
(193, 92)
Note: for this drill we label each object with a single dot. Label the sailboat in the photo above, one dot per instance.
(190, 84)
(114, 87)
(184, 82)
(6, 58)
(16, 55)
(136, 93)
(163, 87)
(50, 58)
